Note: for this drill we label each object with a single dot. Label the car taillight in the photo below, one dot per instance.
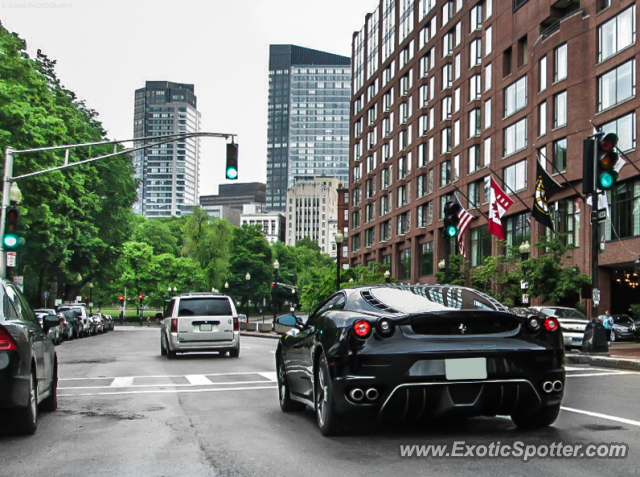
(174, 325)
(236, 324)
(6, 341)
(362, 328)
(551, 324)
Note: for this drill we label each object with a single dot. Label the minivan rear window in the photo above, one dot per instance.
(204, 307)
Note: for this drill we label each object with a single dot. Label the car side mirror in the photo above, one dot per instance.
(288, 320)
(49, 321)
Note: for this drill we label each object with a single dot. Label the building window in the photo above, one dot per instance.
(487, 114)
(515, 96)
(425, 215)
(625, 211)
(560, 63)
(404, 223)
(560, 155)
(475, 85)
(445, 173)
(474, 159)
(542, 71)
(445, 140)
(385, 231)
(479, 192)
(426, 259)
(617, 34)
(617, 85)
(447, 76)
(385, 204)
(625, 128)
(475, 122)
(355, 219)
(518, 229)
(422, 185)
(515, 177)
(369, 237)
(542, 119)
(565, 215)
(480, 245)
(515, 137)
(560, 110)
(405, 264)
(475, 52)
(355, 243)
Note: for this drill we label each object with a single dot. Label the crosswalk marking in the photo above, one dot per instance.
(167, 384)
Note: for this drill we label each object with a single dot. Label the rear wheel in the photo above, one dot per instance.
(235, 353)
(51, 403)
(27, 417)
(543, 417)
(326, 416)
(286, 403)
(163, 347)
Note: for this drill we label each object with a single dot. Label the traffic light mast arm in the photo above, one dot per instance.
(7, 177)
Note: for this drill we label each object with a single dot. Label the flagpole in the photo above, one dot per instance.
(627, 158)
(477, 207)
(561, 174)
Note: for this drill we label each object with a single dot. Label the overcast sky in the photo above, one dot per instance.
(107, 49)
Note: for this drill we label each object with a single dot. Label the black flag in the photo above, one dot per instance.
(546, 187)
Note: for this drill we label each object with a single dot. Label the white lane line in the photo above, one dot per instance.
(198, 379)
(166, 391)
(121, 382)
(163, 376)
(271, 376)
(166, 385)
(617, 373)
(603, 416)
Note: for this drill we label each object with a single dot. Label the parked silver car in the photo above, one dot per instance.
(572, 323)
(55, 332)
(200, 322)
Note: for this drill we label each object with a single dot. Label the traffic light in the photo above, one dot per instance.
(121, 298)
(231, 171)
(588, 161)
(10, 240)
(606, 160)
(451, 218)
(141, 297)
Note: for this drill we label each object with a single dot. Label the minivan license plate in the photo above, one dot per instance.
(465, 368)
(206, 327)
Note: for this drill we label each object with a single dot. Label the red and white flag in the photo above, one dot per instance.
(499, 203)
(463, 225)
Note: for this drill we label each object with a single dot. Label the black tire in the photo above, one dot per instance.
(323, 393)
(235, 353)
(286, 403)
(163, 350)
(27, 417)
(50, 404)
(543, 417)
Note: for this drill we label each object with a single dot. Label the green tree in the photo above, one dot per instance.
(457, 272)
(499, 276)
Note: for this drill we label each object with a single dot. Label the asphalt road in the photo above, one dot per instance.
(127, 411)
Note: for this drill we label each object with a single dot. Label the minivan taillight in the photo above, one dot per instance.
(236, 324)
(174, 325)
(6, 341)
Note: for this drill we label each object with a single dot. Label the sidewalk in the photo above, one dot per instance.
(622, 355)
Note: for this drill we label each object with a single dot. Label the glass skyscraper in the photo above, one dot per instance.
(168, 173)
(308, 127)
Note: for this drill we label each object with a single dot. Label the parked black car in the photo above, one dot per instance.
(413, 352)
(28, 362)
(73, 322)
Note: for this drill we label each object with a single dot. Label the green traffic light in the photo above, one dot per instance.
(451, 231)
(232, 173)
(10, 241)
(608, 179)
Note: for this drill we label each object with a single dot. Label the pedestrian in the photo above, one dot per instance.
(607, 321)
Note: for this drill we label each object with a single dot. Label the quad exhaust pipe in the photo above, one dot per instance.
(357, 394)
(549, 386)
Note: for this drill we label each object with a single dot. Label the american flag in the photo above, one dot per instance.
(463, 225)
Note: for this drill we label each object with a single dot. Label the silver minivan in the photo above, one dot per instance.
(200, 322)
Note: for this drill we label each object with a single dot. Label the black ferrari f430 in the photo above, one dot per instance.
(419, 352)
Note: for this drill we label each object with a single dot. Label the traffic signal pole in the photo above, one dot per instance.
(8, 178)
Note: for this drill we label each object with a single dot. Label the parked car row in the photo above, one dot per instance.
(75, 322)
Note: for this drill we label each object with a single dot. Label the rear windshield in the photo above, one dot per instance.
(563, 313)
(425, 298)
(204, 307)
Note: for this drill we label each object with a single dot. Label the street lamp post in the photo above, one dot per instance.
(339, 237)
(524, 248)
(276, 266)
(387, 276)
(247, 277)
(90, 297)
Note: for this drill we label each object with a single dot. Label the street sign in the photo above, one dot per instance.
(58, 301)
(11, 259)
(596, 296)
(602, 215)
(525, 299)
(45, 294)
(524, 285)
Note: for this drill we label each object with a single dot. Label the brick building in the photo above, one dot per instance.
(447, 93)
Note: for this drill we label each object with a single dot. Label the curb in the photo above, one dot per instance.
(272, 336)
(605, 362)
